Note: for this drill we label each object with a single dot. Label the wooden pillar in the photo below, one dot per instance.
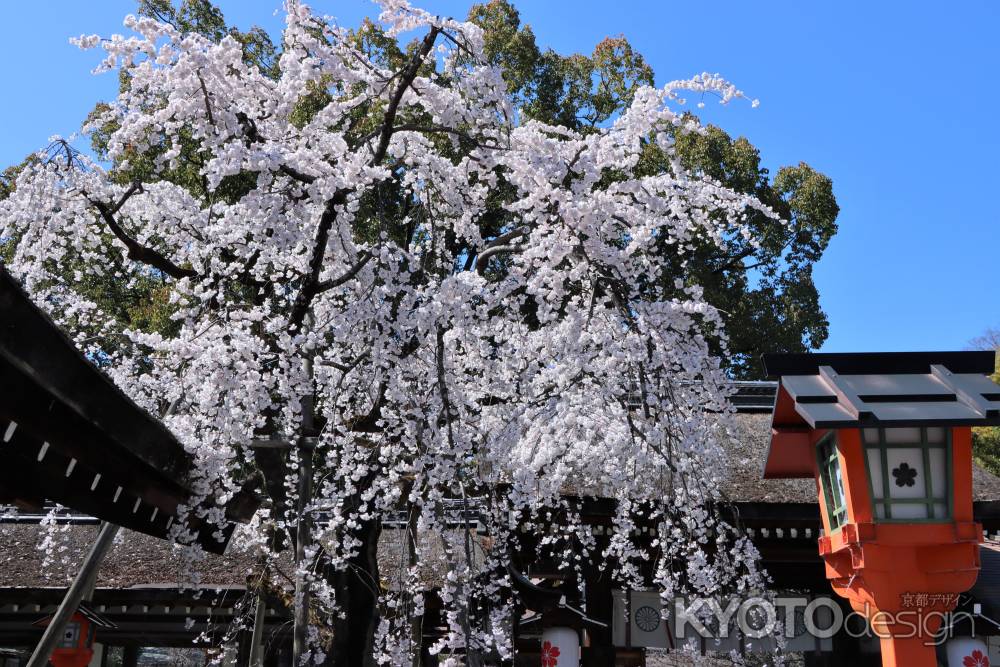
(256, 658)
(600, 605)
(244, 647)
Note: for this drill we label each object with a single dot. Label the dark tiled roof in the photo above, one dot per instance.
(71, 436)
(753, 397)
(135, 560)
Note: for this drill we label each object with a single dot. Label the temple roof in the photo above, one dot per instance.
(71, 436)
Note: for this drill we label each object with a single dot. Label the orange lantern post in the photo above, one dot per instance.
(887, 437)
(76, 647)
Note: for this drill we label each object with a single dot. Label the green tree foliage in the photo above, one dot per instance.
(763, 285)
(8, 181)
(986, 440)
(986, 448)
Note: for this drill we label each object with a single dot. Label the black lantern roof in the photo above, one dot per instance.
(69, 435)
(885, 389)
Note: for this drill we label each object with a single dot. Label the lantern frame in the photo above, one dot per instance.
(879, 432)
(930, 500)
(936, 477)
(829, 465)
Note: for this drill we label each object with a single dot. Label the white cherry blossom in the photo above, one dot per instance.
(451, 363)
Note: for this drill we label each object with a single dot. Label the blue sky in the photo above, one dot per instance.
(895, 101)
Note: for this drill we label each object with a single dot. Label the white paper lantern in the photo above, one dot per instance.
(967, 652)
(560, 648)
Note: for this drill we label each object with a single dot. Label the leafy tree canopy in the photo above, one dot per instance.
(366, 265)
(986, 440)
(763, 285)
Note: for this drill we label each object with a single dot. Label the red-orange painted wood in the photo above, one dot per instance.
(902, 577)
(907, 653)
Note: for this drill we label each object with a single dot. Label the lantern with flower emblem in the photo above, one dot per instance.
(887, 437)
(560, 647)
(967, 652)
(76, 647)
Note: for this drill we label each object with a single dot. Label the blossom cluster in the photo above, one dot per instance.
(461, 305)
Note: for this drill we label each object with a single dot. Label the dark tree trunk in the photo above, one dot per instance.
(357, 593)
(130, 656)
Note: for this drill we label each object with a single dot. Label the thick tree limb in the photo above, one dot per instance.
(498, 245)
(408, 74)
(137, 251)
(311, 287)
(484, 257)
(296, 174)
(508, 237)
(347, 275)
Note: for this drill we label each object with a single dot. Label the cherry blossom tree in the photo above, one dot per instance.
(391, 296)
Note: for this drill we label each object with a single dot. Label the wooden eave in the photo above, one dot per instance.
(69, 435)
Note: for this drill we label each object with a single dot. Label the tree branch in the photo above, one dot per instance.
(509, 236)
(484, 256)
(432, 129)
(498, 245)
(409, 73)
(311, 287)
(347, 275)
(137, 251)
(296, 174)
(733, 261)
(208, 105)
